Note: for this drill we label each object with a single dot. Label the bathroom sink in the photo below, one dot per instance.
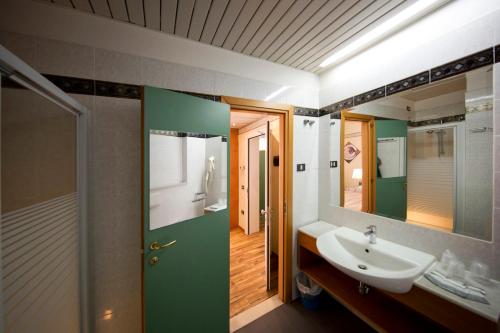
(385, 265)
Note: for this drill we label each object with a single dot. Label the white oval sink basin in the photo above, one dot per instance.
(383, 265)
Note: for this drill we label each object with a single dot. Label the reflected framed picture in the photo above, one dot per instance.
(350, 152)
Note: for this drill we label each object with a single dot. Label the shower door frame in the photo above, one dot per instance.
(17, 70)
(458, 142)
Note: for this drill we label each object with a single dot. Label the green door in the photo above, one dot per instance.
(391, 186)
(185, 262)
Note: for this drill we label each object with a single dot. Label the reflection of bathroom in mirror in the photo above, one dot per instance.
(429, 159)
(187, 176)
(357, 165)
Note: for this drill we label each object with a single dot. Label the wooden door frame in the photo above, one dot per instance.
(285, 230)
(346, 115)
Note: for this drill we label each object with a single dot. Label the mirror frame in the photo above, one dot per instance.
(369, 124)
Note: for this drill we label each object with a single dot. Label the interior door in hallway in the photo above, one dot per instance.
(185, 260)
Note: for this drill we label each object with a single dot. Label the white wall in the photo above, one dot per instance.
(460, 28)
(329, 131)
(384, 108)
(305, 184)
(478, 155)
(439, 106)
(173, 62)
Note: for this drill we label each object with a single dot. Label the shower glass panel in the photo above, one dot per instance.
(188, 176)
(39, 214)
(431, 178)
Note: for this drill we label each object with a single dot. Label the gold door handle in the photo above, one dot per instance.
(157, 246)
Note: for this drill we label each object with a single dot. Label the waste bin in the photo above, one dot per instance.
(309, 291)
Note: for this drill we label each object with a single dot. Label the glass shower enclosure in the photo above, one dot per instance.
(432, 177)
(43, 204)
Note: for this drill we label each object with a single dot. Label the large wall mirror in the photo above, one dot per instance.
(423, 156)
(187, 176)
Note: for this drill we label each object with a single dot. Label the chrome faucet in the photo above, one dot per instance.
(372, 233)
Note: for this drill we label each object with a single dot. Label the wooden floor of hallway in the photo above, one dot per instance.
(247, 271)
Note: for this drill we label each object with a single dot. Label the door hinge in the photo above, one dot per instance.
(284, 208)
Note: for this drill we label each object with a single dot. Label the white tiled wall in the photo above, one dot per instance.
(114, 213)
(305, 183)
(458, 29)
(325, 151)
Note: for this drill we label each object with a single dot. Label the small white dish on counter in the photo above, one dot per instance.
(216, 207)
(385, 265)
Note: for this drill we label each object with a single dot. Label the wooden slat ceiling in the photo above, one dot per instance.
(295, 33)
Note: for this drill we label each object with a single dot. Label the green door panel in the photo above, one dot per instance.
(188, 289)
(391, 193)
(391, 128)
(391, 197)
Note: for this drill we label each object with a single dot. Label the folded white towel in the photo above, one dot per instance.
(456, 287)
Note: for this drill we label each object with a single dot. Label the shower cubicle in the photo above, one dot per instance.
(43, 273)
(449, 168)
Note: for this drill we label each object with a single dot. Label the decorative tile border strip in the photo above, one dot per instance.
(486, 106)
(449, 119)
(408, 83)
(369, 96)
(335, 115)
(323, 112)
(326, 110)
(456, 67)
(186, 134)
(73, 85)
(463, 65)
(8, 83)
(344, 104)
(111, 89)
(300, 111)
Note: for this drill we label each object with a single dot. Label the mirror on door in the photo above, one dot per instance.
(187, 176)
(423, 156)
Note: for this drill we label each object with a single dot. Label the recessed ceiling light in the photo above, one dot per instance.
(405, 17)
(234, 124)
(276, 93)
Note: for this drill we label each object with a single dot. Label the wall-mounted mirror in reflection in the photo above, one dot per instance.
(423, 156)
(187, 176)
